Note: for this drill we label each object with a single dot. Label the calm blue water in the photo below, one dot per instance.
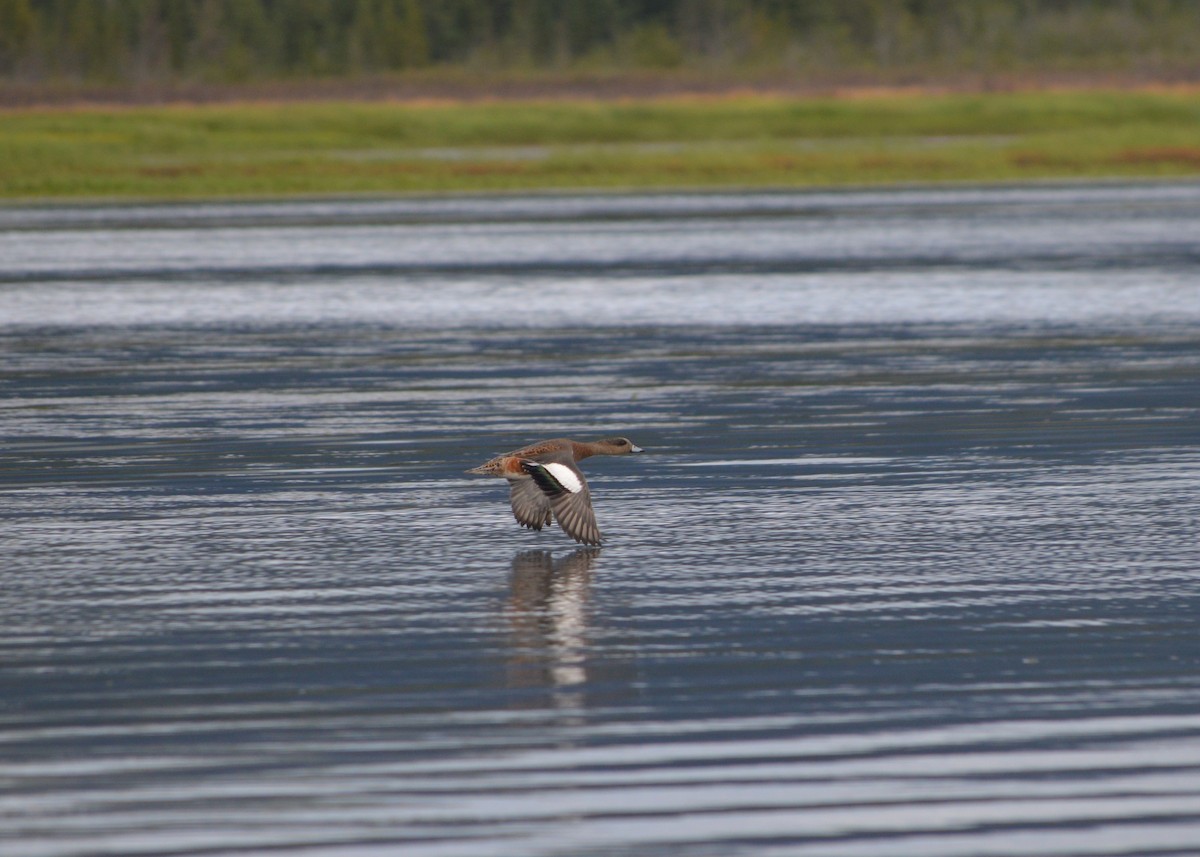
(911, 565)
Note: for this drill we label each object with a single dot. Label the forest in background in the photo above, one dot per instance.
(156, 43)
(173, 99)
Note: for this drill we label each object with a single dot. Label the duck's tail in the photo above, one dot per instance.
(494, 467)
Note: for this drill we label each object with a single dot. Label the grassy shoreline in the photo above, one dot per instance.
(279, 149)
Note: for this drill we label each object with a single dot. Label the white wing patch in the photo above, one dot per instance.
(566, 477)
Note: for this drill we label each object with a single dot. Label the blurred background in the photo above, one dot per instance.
(151, 46)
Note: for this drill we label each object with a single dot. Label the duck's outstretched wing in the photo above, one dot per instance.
(564, 487)
(530, 506)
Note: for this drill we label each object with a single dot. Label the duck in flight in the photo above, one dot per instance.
(546, 483)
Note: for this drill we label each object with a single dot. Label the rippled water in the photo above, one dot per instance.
(910, 566)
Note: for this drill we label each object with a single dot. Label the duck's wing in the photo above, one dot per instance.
(530, 506)
(574, 514)
(567, 492)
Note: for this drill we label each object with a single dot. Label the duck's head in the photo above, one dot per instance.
(617, 446)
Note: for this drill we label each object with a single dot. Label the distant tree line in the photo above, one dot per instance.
(117, 41)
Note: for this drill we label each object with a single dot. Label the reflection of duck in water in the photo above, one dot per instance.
(545, 480)
(548, 612)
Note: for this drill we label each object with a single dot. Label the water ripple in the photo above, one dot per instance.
(909, 567)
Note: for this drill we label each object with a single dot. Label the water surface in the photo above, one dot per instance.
(910, 566)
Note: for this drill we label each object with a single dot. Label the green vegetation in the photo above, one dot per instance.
(150, 52)
(248, 149)
(146, 42)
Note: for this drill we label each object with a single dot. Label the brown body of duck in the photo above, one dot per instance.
(547, 484)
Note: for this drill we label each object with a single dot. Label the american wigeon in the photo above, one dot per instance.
(545, 481)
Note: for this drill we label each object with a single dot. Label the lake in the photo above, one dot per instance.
(910, 566)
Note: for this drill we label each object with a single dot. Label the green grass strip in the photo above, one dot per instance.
(281, 149)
